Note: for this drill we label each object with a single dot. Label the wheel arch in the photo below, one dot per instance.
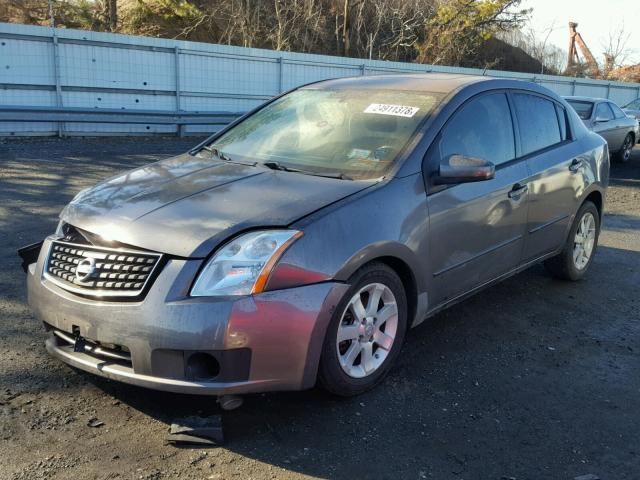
(400, 259)
(597, 198)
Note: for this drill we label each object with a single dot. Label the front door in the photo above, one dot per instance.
(476, 229)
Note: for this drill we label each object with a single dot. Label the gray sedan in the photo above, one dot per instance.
(608, 120)
(301, 243)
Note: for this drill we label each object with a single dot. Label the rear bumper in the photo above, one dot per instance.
(265, 342)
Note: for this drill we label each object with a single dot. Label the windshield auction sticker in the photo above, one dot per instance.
(395, 110)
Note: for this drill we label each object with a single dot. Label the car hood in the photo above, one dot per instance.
(186, 205)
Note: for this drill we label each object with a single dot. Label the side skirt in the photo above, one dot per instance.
(485, 285)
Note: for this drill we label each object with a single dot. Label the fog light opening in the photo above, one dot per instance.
(202, 366)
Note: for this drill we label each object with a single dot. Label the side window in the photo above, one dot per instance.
(537, 122)
(617, 112)
(482, 128)
(603, 111)
(562, 120)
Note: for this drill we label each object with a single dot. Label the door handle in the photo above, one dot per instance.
(517, 191)
(576, 163)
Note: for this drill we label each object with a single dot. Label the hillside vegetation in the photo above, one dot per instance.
(441, 32)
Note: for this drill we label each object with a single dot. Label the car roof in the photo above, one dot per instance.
(587, 99)
(419, 82)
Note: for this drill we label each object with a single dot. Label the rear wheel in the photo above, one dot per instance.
(625, 152)
(576, 256)
(366, 332)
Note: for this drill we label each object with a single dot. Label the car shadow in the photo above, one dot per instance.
(529, 377)
(510, 376)
(626, 174)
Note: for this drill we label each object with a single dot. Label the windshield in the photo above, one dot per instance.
(583, 109)
(357, 133)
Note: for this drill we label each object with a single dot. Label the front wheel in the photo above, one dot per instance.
(625, 152)
(366, 332)
(576, 256)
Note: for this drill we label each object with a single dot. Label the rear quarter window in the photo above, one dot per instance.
(563, 122)
(537, 122)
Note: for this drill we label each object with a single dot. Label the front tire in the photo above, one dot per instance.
(578, 252)
(366, 332)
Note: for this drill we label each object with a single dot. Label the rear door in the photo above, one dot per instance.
(556, 171)
(476, 229)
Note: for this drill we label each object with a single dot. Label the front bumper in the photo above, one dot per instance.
(267, 342)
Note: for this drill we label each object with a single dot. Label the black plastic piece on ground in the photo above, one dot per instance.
(197, 431)
(29, 254)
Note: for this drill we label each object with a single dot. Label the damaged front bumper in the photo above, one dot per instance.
(199, 345)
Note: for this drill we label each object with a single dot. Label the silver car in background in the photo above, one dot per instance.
(609, 121)
(633, 109)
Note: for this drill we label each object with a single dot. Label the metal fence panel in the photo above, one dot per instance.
(104, 67)
(44, 67)
(230, 75)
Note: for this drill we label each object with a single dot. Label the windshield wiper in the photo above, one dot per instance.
(273, 165)
(223, 156)
(217, 153)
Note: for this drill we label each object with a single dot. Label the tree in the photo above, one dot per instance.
(615, 50)
(434, 31)
(536, 44)
(112, 14)
(458, 28)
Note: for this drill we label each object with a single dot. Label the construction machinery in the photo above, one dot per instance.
(590, 68)
(574, 65)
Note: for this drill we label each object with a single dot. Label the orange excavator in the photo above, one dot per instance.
(629, 73)
(573, 60)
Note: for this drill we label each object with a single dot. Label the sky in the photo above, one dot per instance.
(595, 18)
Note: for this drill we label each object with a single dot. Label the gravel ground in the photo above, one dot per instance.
(532, 379)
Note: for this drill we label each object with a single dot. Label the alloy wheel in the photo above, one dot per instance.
(626, 148)
(367, 330)
(584, 241)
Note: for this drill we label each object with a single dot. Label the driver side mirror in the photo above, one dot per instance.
(462, 169)
(600, 120)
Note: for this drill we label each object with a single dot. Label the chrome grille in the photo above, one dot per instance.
(104, 272)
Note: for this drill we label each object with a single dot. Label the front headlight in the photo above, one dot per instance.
(242, 266)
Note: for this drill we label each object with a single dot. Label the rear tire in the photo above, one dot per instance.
(365, 333)
(577, 254)
(624, 154)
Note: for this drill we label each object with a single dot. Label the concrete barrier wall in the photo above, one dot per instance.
(45, 67)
